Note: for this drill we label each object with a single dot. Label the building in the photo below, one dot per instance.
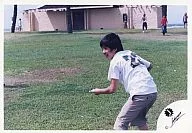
(91, 17)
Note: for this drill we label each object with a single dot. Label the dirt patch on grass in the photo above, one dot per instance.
(175, 34)
(14, 36)
(38, 76)
(157, 35)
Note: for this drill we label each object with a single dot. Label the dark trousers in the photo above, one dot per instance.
(144, 25)
(185, 24)
(164, 29)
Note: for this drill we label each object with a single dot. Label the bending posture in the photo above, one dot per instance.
(132, 71)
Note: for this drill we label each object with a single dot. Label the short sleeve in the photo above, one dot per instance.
(141, 60)
(113, 72)
(145, 62)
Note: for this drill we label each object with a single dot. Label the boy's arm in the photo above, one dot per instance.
(109, 90)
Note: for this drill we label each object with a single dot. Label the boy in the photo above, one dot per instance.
(185, 17)
(164, 24)
(132, 71)
(144, 19)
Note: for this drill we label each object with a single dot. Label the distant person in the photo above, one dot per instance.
(185, 17)
(144, 20)
(20, 25)
(164, 24)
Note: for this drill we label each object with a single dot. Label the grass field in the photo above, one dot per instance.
(48, 76)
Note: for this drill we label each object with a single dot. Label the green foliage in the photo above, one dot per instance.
(66, 104)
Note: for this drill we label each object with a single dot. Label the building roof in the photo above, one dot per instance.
(77, 6)
(72, 7)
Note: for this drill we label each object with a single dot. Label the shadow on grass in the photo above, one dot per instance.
(179, 33)
(16, 86)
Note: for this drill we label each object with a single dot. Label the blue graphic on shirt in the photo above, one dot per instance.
(135, 60)
(126, 57)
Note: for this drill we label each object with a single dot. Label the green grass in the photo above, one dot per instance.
(66, 104)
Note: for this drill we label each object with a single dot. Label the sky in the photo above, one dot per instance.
(8, 13)
(175, 13)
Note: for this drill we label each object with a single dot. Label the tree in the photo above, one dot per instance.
(69, 21)
(164, 10)
(14, 19)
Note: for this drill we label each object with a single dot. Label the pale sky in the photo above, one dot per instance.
(175, 13)
(8, 13)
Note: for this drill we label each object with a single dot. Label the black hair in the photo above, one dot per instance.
(111, 41)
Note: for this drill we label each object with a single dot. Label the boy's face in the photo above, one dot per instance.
(108, 52)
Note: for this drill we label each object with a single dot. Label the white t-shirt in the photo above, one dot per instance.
(144, 19)
(131, 70)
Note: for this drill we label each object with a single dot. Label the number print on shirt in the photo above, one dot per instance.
(135, 60)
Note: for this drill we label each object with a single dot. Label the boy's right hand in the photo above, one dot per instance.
(95, 91)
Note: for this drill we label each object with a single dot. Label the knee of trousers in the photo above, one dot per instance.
(120, 124)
